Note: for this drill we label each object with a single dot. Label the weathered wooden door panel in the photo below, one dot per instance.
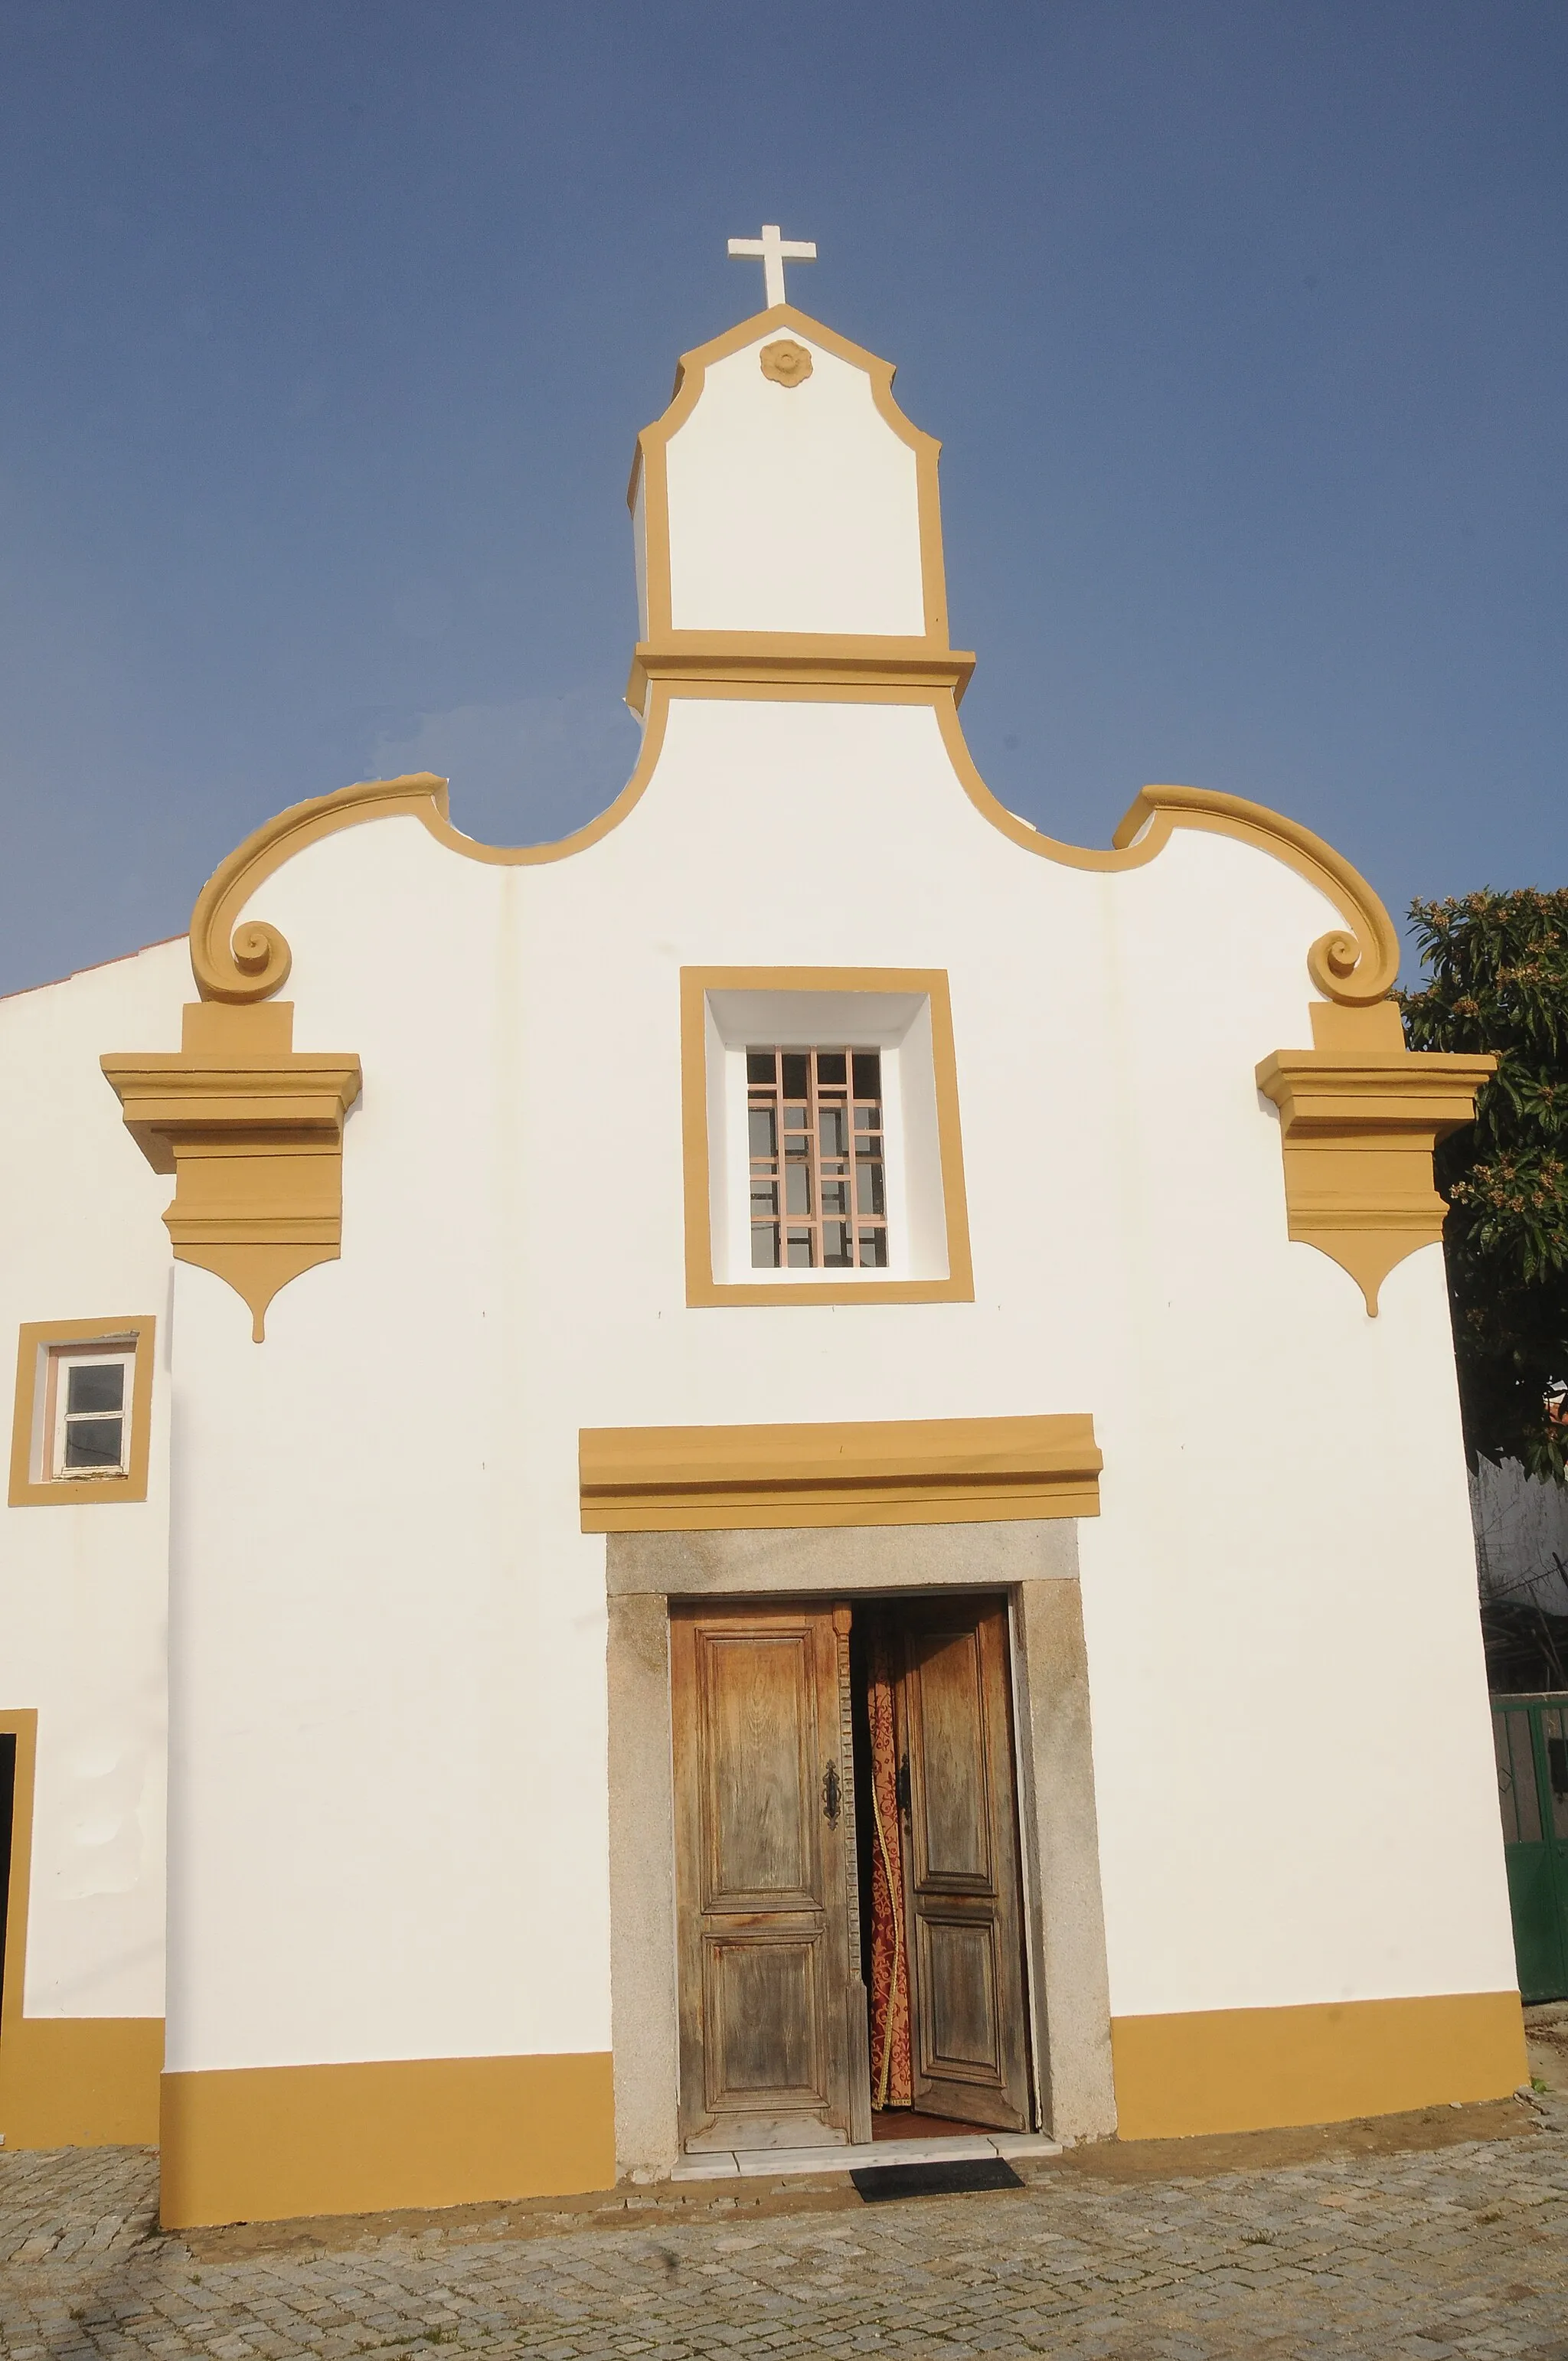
(760, 1720)
(761, 2023)
(969, 2053)
(762, 1896)
(950, 1804)
(957, 2027)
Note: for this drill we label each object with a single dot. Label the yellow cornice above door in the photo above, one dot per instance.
(917, 1471)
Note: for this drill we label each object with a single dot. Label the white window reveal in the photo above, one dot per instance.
(824, 1156)
(90, 1412)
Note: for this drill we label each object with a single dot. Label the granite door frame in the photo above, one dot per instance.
(1035, 1566)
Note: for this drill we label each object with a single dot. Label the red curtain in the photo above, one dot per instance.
(890, 2081)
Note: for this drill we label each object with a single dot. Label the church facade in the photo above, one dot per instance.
(786, 1469)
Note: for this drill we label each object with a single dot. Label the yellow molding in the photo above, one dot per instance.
(271, 2143)
(65, 2082)
(649, 467)
(1356, 967)
(81, 2082)
(253, 1131)
(1245, 2069)
(931, 1471)
(785, 363)
(764, 661)
(33, 1339)
(1359, 1117)
(703, 1291)
(251, 962)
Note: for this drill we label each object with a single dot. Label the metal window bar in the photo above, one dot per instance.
(818, 1172)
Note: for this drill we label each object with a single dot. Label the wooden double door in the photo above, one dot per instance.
(772, 1934)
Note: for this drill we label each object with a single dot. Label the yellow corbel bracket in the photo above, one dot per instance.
(253, 1133)
(1359, 1117)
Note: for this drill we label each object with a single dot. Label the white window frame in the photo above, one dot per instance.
(897, 1026)
(59, 1418)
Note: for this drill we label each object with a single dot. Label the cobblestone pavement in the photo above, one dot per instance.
(1457, 2250)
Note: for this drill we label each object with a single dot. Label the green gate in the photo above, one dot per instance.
(1531, 1734)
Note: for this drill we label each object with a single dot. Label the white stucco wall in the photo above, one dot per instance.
(389, 1832)
(83, 1604)
(792, 508)
(387, 1806)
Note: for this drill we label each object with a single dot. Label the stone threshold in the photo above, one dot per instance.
(761, 2163)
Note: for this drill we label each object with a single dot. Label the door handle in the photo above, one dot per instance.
(830, 1795)
(901, 1786)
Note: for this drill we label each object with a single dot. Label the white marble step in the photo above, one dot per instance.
(756, 2163)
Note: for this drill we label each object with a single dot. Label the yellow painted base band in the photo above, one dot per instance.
(268, 2142)
(80, 2082)
(1247, 2069)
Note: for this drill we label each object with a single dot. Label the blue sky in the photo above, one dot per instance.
(326, 331)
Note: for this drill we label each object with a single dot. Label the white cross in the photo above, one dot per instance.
(773, 251)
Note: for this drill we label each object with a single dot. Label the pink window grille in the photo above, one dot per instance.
(818, 1180)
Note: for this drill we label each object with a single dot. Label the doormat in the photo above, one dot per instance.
(877, 2182)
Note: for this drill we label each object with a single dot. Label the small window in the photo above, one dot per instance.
(91, 1404)
(818, 1177)
(820, 1142)
(81, 1428)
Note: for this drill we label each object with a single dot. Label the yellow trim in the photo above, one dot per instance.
(1359, 1117)
(1356, 967)
(270, 2143)
(65, 2082)
(34, 1337)
(759, 661)
(920, 1471)
(254, 1132)
(81, 2082)
(702, 1289)
(649, 466)
(1245, 2069)
(253, 964)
